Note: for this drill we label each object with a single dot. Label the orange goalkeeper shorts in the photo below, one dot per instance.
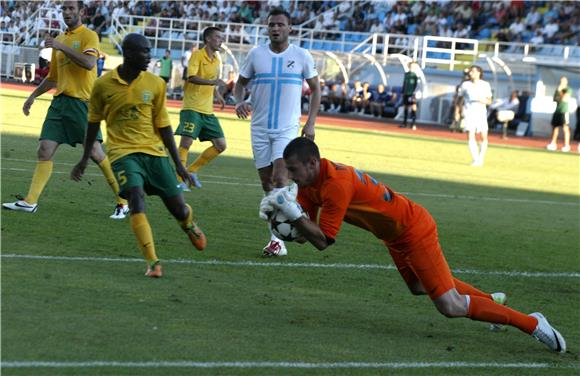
(423, 261)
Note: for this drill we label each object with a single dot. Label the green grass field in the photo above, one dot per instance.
(74, 295)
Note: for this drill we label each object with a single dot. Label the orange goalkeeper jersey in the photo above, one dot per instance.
(343, 193)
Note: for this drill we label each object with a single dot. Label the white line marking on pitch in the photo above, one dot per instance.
(438, 195)
(303, 365)
(289, 265)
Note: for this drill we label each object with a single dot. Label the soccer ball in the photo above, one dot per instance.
(282, 228)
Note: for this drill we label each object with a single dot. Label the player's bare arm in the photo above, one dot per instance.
(166, 134)
(81, 59)
(313, 108)
(219, 97)
(42, 88)
(202, 81)
(243, 108)
(311, 232)
(90, 138)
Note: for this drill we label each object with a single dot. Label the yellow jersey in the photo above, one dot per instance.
(200, 97)
(133, 113)
(71, 79)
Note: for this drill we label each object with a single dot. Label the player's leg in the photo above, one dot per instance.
(161, 181)
(405, 112)
(472, 144)
(557, 122)
(211, 130)
(188, 129)
(428, 262)
(414, 114)
(100, 158)
(483, 146)
(566, 130)
(131, 171)
(43, 170)
(53, 134)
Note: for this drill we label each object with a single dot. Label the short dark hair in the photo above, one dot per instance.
(479, 69)
(280, 11)
(209, 31)
(303, 149)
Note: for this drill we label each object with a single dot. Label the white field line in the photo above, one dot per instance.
(518, 274)
(425, 194)
(289, 364)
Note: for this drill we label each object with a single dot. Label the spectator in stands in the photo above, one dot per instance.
(551, 28)
(356, 97)
(338, 93)
(561, 117)
(98, 23)
(505, 104)
(165, 65)
(538, 37)
(366, 101)
(378, 100)
(324, 96)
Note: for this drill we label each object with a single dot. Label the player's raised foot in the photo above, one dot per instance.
(547, 334)
(20, 205)
(183, 186)
(499, 298)
(196, 236)
(195, 178)
(154, 271)
(274, 248)
(121, 211)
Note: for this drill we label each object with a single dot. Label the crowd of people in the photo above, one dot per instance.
(541, 22)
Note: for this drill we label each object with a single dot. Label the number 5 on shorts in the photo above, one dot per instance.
(121, 178)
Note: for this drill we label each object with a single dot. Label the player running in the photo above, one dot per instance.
(132, 102)
(334, 193)
(277, 71)
(73, 72)
(196, 119)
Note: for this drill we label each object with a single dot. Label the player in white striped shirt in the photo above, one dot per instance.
(276, 72)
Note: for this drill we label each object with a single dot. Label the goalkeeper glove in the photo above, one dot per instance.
(266, 208)
(287, 204)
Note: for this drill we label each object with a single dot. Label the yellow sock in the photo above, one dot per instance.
(105, 167)
(186, 223)
(40, 177)
(204, 158)
(183, 153)
(142, 230)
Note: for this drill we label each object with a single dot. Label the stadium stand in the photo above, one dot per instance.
(441, 35)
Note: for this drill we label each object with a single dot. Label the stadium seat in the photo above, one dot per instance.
(317, 45)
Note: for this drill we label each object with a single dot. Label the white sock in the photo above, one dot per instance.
(273, 237)
(473, 149)
(483, 149)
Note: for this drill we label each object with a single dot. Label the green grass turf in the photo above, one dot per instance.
(518, 213)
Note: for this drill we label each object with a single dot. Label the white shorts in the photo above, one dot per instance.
(267, 147)
(476, 122)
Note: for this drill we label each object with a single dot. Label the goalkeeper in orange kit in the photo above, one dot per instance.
(336, 193)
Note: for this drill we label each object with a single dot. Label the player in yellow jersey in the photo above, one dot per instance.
(196, 119)
(132, 102)
(73, 72)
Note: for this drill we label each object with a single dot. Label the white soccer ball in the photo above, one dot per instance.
(282, 228)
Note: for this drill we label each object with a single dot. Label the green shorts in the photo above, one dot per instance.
(154, 174)
(66, 121)
(197, 125)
